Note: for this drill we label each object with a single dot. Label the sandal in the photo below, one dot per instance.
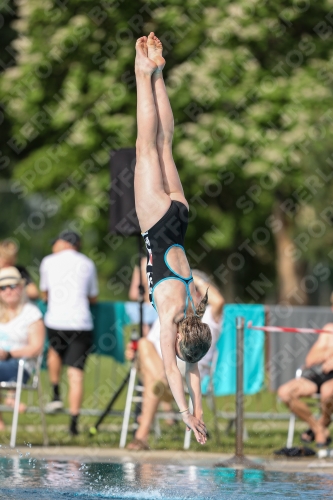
(137, 445)
(323, 445)
(311, 437)
(307, 436)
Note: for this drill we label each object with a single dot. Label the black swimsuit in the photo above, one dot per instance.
(167, 233)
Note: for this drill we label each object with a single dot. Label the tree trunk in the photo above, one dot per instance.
(289, 291)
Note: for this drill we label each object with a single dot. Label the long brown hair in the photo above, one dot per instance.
(196, 336)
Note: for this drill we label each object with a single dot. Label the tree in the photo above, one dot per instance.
(250, 85)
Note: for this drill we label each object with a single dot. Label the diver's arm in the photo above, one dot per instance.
(168, 341)
(193, 383)
(175, 380)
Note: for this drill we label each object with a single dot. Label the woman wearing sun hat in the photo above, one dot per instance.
(21, 327)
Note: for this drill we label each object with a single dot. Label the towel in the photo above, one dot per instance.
(133, 311)
(109, 321)
(224, 378)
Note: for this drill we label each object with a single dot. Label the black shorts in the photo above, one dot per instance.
(72, 346)
(315, 374)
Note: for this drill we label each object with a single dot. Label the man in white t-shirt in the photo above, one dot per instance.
(68, 283)
(151, 364)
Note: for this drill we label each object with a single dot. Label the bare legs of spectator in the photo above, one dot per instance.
(75, 394)
(152, 371)
(326, 398)
(291, 392)
(54, 365)
(75, 381)
(10, 401)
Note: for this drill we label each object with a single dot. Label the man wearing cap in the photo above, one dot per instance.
(68, 283)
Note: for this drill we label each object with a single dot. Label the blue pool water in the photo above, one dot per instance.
(23, 478)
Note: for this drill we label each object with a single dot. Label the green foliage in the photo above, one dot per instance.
(251, 88)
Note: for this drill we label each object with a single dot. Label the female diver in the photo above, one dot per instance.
(163, 216)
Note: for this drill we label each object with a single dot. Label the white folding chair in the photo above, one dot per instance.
(130, 399)
(292, 419)
(18, 386)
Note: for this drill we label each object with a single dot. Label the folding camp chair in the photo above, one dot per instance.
(132, 398)
(18, 386)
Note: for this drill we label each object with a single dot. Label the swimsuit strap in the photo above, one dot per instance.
(188, 296)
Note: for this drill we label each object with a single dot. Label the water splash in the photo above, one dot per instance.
(27, 478)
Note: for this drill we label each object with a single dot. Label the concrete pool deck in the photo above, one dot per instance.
(200, 459)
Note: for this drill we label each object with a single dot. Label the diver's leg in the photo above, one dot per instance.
(151, 201)
(171, 180)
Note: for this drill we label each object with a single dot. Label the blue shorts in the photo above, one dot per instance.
(9, 369)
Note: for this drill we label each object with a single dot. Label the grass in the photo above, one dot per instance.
(103, 375)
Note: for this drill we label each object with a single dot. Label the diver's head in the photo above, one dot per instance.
(194, 338)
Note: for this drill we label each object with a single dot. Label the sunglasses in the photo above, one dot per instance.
(12, 287)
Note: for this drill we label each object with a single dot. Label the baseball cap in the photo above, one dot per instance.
(69, 236)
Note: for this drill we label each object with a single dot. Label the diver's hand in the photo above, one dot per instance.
(198, 414)
(197, 426)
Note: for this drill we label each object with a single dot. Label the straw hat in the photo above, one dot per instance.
(10, 276)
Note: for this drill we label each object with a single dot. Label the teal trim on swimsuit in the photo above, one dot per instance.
(186, 281)
(170, 268)
(163, 279)
(191, 299)
(178, 277)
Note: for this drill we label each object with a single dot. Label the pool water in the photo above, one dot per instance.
(25, 478)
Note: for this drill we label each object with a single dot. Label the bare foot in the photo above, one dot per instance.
(155, 49)
(10, 401)
(137, 445)
(143, 65)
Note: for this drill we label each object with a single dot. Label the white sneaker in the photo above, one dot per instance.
(54, 406)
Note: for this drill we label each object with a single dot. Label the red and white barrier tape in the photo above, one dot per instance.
(286, 329)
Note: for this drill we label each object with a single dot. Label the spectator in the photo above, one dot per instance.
(21, 329)
(133, 293)
(151, 366)
(317, 377)
(149, 313)
(68, 283)
(8, 257)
